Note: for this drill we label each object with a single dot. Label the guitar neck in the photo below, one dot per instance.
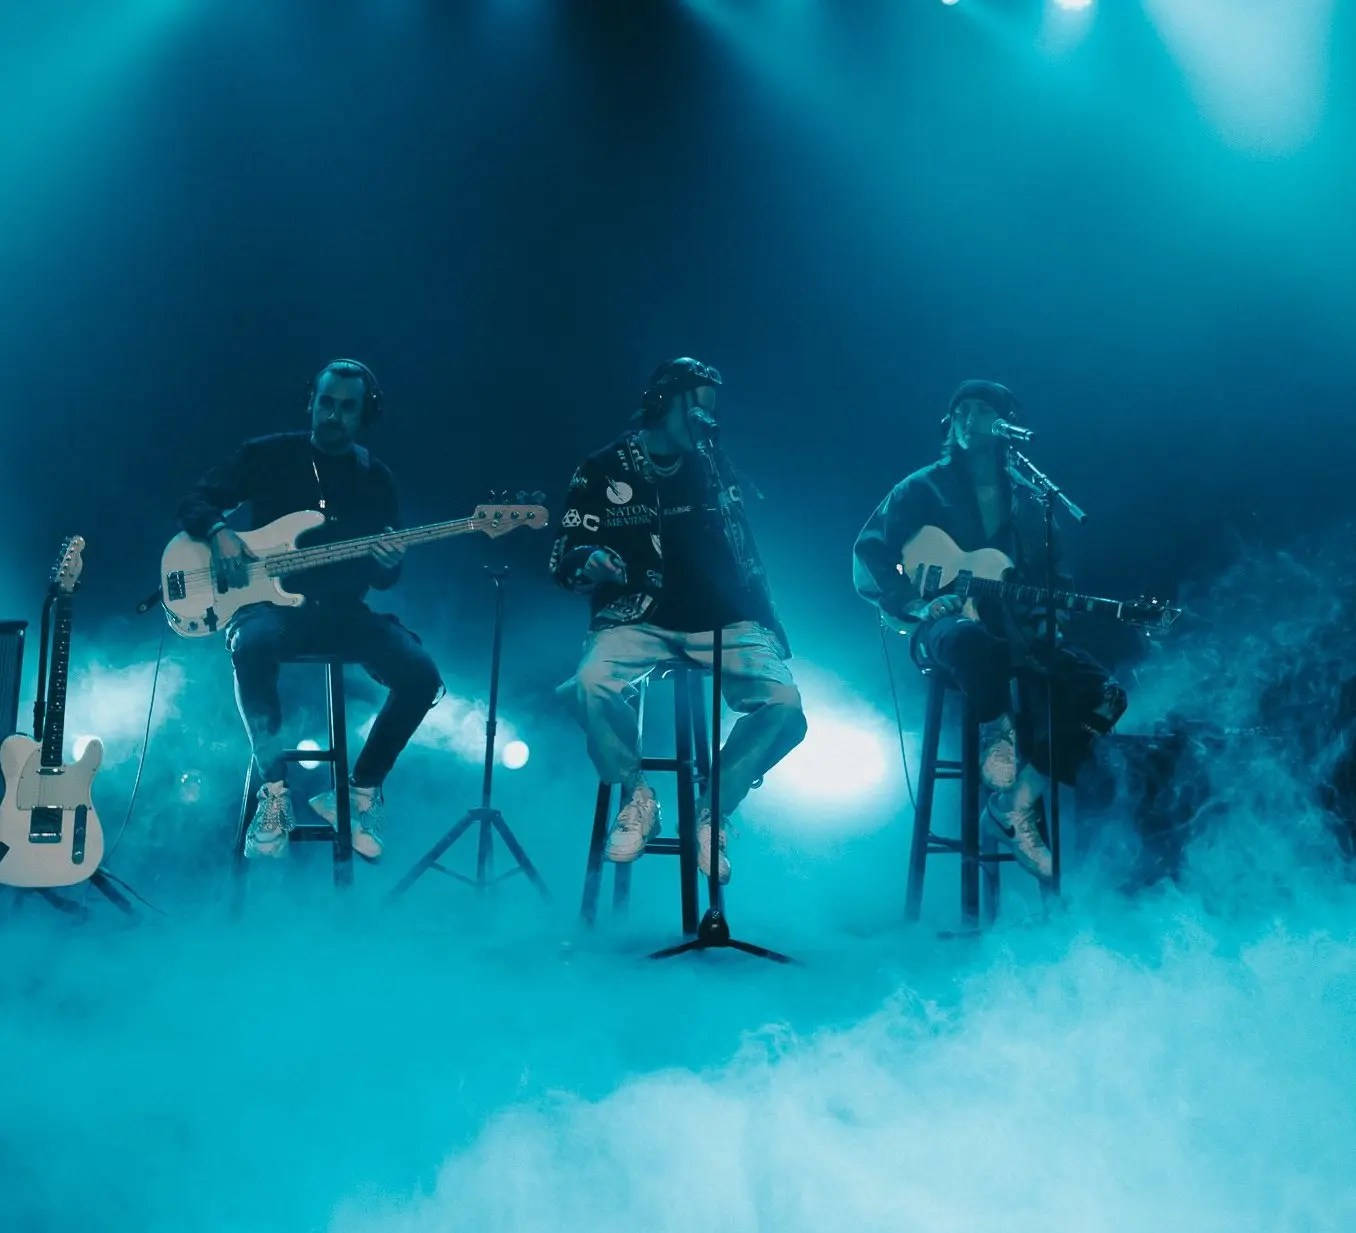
(54, 725)
(1065, 601)
(352, 549)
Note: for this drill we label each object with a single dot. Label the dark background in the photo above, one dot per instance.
(511, 211)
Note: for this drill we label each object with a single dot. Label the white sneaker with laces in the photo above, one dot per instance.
(704, 846)
(1019, 828)
(998, 756)
(367, 815)
(273, 820)
(636, 823)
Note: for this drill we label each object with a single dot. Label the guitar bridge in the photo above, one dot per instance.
(44, 825)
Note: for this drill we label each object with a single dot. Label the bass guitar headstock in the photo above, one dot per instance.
(69, 565)
(1154, 616)
(497, 519)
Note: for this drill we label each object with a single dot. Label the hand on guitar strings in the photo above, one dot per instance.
(387, 555)
(230, 560)
(943, 606)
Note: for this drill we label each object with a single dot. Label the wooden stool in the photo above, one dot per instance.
(977, 850)
(689, 728)
(340, 836)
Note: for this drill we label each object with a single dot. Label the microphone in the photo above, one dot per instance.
(1010, 432)
(704, 421)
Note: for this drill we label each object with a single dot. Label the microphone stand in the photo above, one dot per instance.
(714, 929)
(485, 816)
(1050, 494)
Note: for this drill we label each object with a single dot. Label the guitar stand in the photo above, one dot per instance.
(489, 819)
(107, 885)
(714, 930)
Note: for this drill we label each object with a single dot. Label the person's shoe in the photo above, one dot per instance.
(272, 822)
(1019, 828)
(998, 754)
(366, 817)
(704, 846)
(637, 821)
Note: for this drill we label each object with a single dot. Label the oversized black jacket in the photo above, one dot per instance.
(940, 495)
(273, 476)
(613, 503)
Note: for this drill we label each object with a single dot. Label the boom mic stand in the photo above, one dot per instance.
(714, 929)
(1049, 494)
(489, 819)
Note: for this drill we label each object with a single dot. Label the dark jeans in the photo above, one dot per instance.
(1088, 702)
(262, 636)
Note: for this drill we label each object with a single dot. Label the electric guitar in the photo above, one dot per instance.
(49, 833)
(935, 565)
(197, 603)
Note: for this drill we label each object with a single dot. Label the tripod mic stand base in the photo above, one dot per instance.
(714, 933)
(490, 822)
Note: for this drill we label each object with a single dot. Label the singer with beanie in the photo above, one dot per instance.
(656, 535)
(972, 495)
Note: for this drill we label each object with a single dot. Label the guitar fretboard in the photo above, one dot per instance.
(54, 724)
(351, 549)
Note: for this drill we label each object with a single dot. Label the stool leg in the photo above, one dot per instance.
(992, 883)
(621, 889)
(922, 814)
(969, 829)
(684, 712)
(343, 805)
(249, 803)
(593, 871)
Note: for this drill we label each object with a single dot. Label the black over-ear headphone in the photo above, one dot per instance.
(374, 404)
(674, 377)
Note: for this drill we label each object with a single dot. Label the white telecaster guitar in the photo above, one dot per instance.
(49, 833)
(935, 564)
(197, 603)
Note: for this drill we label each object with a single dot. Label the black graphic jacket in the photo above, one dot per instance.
(613, 503)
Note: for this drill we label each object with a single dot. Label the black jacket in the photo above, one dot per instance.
(613, 503)
(940, 495)
(277, 475)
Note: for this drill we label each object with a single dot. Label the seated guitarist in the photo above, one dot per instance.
(968, 493)
(322, 469)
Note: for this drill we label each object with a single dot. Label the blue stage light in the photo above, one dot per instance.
(308, 744)
(515, 755)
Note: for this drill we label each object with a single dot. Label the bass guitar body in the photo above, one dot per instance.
(49, 833)
(197, 606)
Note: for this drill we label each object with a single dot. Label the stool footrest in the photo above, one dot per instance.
(308, 755)
(664, 847)
(661, 764)
(306, 831)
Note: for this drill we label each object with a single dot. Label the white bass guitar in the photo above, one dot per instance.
(197, 603)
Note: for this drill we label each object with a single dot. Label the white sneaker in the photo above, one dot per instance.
(1019, 829)
(273, 820)
(704, 846)
(998, 754)
(367, 814)
(637, 821)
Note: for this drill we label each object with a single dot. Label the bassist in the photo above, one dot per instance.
(970, 494)
(323, 469)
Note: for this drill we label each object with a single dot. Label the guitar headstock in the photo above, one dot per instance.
(1151, 615)
(69, 565)
(499, 519)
